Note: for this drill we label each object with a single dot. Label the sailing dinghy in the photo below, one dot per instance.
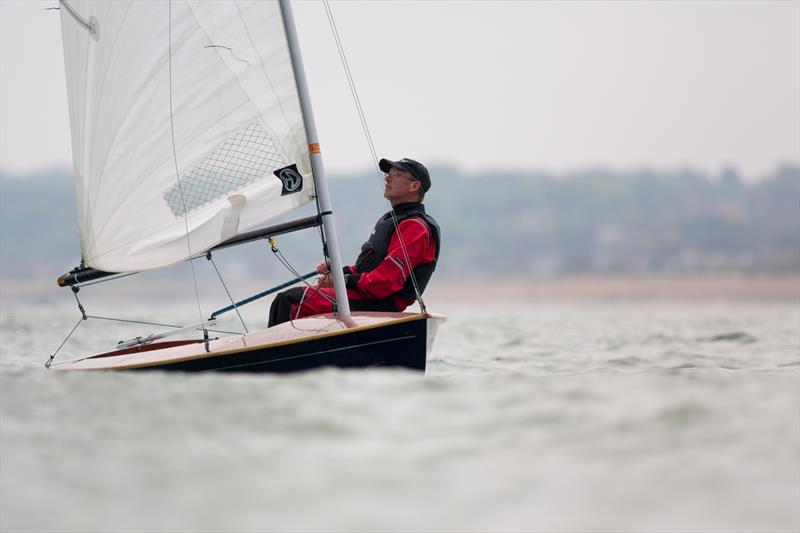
(192, 130)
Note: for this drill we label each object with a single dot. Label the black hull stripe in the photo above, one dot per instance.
(302, 356)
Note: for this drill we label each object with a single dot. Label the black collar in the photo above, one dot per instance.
(408, 207)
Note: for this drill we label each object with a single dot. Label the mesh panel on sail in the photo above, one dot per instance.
(248, 156)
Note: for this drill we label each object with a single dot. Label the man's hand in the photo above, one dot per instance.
(324, 271)
(323, 268)
(326, 280)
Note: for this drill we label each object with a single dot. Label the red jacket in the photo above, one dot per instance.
(390, 275)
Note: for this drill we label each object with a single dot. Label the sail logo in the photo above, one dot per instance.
(291, 180)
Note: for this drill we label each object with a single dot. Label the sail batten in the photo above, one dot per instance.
(240, 146)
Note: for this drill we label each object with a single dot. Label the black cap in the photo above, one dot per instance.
(417, 170)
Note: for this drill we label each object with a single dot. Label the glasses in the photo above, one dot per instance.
(393, 174)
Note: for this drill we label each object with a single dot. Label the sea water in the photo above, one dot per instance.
(619, 416)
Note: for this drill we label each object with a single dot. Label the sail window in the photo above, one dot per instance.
(241, 160)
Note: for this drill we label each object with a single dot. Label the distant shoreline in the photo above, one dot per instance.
(689, 287)
(640, 287)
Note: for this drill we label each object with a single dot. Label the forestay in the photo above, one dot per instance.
(197, 91)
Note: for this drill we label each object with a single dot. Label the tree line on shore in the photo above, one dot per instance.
(508, 224)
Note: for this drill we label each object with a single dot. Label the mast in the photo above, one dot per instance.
(318, 169)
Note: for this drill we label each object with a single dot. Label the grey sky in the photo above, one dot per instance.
(481, 85)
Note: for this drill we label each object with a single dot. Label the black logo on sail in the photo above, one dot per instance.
(291, 180)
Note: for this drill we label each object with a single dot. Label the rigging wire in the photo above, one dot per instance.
(146, 323)
(285, 262)
(351, 82)
(370, 143)
(224, 286)
(178, 176)
(84, 316)
(53, 356)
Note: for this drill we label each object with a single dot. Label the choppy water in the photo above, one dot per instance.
(573, 417)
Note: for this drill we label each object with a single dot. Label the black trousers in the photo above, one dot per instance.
(281, 308)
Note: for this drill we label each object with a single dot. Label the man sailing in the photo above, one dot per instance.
(380, 279)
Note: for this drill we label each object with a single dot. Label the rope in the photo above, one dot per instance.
(285, 263)
(178, 176)
(371, 144)
(235, 308)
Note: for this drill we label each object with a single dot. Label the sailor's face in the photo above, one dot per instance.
(398, 184)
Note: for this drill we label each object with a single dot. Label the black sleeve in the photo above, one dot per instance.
(351, 281)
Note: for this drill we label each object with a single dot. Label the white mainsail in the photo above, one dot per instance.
(182, 113)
